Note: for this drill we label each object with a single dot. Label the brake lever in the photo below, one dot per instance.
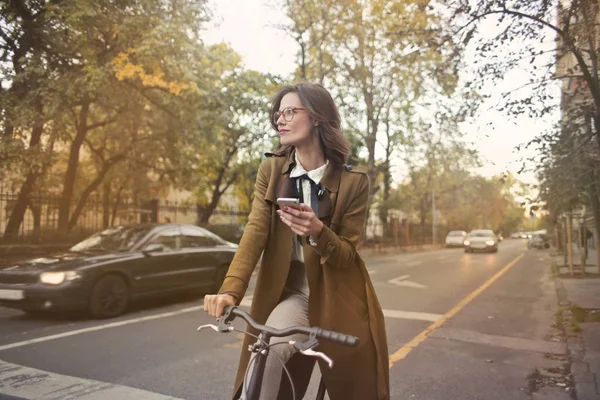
(208, 326)
(221, 329)
(309, 343)
(224, 323)
(322, 356)
(306, 348)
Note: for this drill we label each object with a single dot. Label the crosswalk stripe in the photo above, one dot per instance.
(30, 383)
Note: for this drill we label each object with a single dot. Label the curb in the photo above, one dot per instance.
(583, 378)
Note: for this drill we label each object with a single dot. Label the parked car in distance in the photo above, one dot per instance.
(105, 272)
(484, 240)
(456, 238)
(539, 241)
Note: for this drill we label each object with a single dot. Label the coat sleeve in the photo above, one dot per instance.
(254, 238)
(339, 250)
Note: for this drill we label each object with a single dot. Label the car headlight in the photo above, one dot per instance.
(490, 242)
(466, 243)
(56, 278)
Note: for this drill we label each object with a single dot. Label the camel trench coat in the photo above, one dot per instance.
(342, 297)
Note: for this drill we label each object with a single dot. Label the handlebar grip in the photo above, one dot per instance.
(336, 337)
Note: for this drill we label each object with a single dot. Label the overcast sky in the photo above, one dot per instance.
(246, 25)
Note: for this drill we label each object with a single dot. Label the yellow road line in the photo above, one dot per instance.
(404, 350)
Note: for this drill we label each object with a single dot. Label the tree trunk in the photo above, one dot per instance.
(217, 192)
(596, 128)
(423, 213)
(18, 211)
(303, 58)
(595, 203)
(208, 211)
(105, 205)
(384, 211)
(116, 206)
(37, 220)
(64, 208)
(90, 189)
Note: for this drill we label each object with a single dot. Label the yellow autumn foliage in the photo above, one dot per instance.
(126, 69)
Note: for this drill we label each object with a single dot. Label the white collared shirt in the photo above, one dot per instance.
(316, 175)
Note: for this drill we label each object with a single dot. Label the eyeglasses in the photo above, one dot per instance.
(288, 113)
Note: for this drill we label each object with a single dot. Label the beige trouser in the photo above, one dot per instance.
(292, 310)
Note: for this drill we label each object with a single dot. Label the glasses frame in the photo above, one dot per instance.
(278, 114)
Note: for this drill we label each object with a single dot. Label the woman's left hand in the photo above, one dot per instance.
(303, 221)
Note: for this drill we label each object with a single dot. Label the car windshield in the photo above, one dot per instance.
(481, 234)
(119, 238)
(455, 233)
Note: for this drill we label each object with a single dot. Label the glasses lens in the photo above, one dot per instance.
(276, 115)
(289, 114)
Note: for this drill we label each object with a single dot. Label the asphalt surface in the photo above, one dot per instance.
(487, 320)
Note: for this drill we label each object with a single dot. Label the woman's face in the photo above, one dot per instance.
(299, 129)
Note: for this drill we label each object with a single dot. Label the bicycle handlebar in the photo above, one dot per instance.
(232, 311)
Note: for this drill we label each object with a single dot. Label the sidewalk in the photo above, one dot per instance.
(579, 297)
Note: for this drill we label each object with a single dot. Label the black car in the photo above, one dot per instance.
(106, 271)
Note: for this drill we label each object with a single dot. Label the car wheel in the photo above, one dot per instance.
(110, 297)
(220, 277)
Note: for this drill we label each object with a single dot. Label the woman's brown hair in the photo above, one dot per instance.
(322, 109)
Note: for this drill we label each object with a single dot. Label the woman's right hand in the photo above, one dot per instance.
(214, 304)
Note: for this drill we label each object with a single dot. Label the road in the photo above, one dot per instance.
(460, 326)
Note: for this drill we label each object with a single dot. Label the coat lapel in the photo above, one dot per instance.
(284, 186)
(331, 185)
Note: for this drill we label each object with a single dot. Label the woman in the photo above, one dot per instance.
(311, 273)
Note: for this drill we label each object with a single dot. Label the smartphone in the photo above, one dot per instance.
(288, 202)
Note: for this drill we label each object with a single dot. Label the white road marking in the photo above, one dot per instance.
(101, 327)
(246, 302)
(411, 315)
(29, 383)
(401, 281)
(413, 263)
(420, 316)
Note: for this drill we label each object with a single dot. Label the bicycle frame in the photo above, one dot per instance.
(255, 384)
(261, 347)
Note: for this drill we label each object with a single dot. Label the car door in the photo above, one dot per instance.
(198, 256)
(156, 270)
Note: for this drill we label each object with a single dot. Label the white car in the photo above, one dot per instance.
(456, 238)
(481, 240)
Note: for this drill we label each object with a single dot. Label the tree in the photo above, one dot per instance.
(102, 62)
(216, 148)
(378, 58)
(575, 26)
(30, 55)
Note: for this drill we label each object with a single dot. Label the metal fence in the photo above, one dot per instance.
(403, 233)
(40, 221)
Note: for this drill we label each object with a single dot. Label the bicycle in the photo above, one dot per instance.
(261, 347)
